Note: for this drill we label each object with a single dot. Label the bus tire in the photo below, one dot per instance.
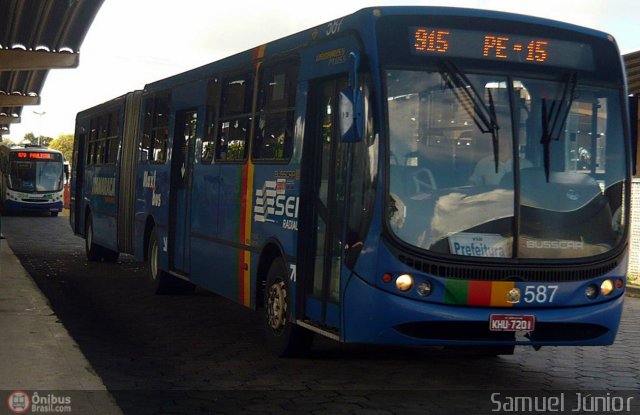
(490, 351)
(483, 351)
(54, 214)
(284, 338)
(110, 256)
(162, 282)
(93, 251)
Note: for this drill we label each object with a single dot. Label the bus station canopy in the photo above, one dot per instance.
(36, 36)
(632, 63)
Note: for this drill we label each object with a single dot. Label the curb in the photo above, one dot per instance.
(633, 291)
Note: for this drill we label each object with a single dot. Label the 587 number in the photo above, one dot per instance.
(539, 293)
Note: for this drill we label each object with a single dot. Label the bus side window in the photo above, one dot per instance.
(145, 138)
(155, 135)
(235, 118)
(112, 140)
(208, 142)
(93, 137)
(145, 144)
(273, 138)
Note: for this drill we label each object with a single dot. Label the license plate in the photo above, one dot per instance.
(508, 322)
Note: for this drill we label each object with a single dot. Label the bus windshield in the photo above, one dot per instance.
(36, 176)
(504, 166)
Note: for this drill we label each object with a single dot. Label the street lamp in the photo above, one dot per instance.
(39, 114)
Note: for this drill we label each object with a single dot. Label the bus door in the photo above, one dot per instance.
(77, 180)
(324, 163)
(182, 156)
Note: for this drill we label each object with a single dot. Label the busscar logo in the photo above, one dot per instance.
(558, 244)
(19, 402)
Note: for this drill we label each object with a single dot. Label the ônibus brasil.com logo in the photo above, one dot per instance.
(19, 402)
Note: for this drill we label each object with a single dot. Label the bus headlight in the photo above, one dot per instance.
(404, 282)
(591, 291)
(606, 287)
(424, 288)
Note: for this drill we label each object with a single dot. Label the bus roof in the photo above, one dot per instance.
(104, 105)
(359, 20)
(29, 148)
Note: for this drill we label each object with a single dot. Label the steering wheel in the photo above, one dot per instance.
(423, 180)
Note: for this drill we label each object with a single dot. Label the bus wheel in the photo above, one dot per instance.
(163, 282)
(109, 256)
(54, 214)
(496, 351)
(483, 351)
(93, 251)
(283, 338)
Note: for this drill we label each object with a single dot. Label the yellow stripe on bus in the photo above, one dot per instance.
(500, 293)
(248, 218)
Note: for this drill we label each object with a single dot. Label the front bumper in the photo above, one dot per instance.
(371, 315)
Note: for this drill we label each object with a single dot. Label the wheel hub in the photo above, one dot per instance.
(277, 305)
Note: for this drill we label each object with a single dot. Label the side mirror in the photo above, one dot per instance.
(351, 104)
(65, 167)
(634, 116)
(351, 121)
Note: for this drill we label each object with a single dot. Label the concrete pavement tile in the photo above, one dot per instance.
(36, 351)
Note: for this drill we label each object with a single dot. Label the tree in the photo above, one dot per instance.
(41, 140)
(7, 143)
(63, 143)
(31, 138)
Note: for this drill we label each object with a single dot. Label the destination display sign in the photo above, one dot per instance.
(503, 47)
(33, 155)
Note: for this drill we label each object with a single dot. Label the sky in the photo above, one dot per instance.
(135, 42)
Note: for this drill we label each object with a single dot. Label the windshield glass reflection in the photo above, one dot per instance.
(451, 186)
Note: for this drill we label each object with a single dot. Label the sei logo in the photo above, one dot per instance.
(273, 205)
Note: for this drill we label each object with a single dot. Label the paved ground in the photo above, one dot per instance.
(36, 352)
(204, 354)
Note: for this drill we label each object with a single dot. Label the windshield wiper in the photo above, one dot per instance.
(483, 115)
(554, 118)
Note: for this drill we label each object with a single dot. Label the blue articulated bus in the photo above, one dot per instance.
(31, 179)
(402, 175)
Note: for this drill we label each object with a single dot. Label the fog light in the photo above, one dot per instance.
(387, 277)
(591, 291)
(424, 288)
(619, 283)
(404, 282)
(606, 287)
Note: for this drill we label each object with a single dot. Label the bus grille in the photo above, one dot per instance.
(489, 273)
(479, 331)
(36, 200)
